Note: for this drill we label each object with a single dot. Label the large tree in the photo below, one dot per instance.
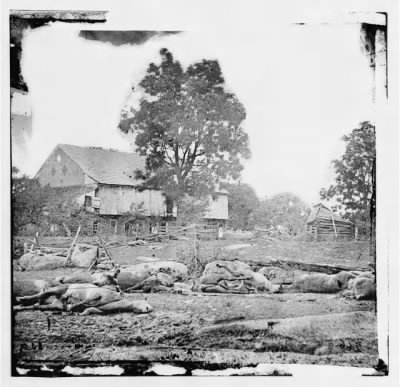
(187, 126)
(243, 201)
(354, 183)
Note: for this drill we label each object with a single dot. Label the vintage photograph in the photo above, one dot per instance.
(194, 202)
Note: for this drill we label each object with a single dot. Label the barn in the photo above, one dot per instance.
(110, 187)
(324, 224)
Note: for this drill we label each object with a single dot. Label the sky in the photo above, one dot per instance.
(303, 88)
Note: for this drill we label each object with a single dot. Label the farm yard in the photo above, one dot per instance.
(209, 330)
(189, 220)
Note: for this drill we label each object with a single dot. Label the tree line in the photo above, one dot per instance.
(188, 126)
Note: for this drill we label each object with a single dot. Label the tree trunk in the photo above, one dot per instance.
(179, 219)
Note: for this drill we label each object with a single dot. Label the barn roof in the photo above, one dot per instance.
(105, 166)
(109, 166)
(319, 210)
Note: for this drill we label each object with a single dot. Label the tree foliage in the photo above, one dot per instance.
(27, 201)
(192, 210)
(243, 201)
(283, 209)
(354, 186)
(187, 126)
(36, 206)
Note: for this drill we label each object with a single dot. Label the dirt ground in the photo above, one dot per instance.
(354, 253)
(177, 328)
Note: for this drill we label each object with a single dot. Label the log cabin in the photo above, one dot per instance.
(324, 224)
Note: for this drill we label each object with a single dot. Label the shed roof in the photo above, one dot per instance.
(105, 166)
(316, 212)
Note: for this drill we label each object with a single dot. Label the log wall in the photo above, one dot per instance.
(326, 227)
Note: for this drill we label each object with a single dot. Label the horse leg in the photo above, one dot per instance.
(55, 305)
(55, 291)
(124, 306)
(91, 310)
(75, 306)
(18, 308)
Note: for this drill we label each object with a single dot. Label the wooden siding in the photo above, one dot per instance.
(59, 170)
(327, 225)
(117, 200)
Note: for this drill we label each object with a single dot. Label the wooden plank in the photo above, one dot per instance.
(35, 241)
(102, 244)
(71, 249)
(67, 230)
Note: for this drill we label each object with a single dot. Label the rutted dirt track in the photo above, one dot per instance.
(209, 329)
(175, 327)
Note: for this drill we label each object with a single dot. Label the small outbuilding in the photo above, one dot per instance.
(324, 224)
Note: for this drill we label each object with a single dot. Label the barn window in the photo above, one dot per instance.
(169, 206)
(88, 201)
(95, 227)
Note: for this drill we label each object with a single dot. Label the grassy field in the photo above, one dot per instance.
(175, 329)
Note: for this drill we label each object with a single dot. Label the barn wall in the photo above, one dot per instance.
(59, 170)
(116, 200)
(218, 208)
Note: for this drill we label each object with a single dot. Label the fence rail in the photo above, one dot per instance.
(141, 230)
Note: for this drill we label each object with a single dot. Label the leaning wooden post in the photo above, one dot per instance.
(35, 241)
(93, 265)
(71, 249)
(37, 238)
(67, 230)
